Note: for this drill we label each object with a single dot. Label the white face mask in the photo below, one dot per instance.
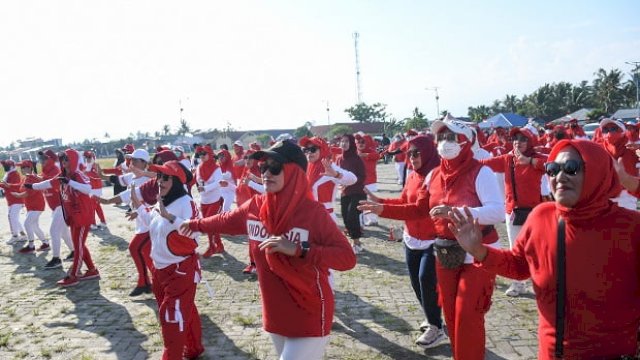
(449, 149)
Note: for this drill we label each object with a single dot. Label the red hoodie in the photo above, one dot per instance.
(77, 206)
(13, 181)
(370, 158)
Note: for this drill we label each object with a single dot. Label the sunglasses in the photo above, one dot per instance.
(275, 168)
(200, 154)
(520, 138)
(163, 177)
(570, 167)
(610, 129)
(413, 153)
(448, 136)
(310, 150)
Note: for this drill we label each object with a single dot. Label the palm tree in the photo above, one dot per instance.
(510, 103)
(607, 89)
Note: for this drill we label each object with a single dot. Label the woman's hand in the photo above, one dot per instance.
(185, 229)
(328, 169)
(370, 206)
(371, 195)
(279, 244)
(466, 229)
(440, 212)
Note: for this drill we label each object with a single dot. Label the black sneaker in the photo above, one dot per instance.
(140, 290)
(53, 263)
(69, 257)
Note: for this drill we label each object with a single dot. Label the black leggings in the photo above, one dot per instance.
(351, 214)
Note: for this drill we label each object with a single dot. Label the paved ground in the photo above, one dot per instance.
(377, 315)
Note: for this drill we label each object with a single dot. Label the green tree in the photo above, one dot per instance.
(416, 121)
(166, 130)
(184, 127)
(263, 139)
(339, 129)
(607, 89)
(304, 130)
(367, 113)
(478, 113)
(393, 126)
(595, 114)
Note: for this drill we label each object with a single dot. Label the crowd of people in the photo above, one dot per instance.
(569, 205)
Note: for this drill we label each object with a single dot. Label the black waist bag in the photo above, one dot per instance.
(520, 215)
(449, 253)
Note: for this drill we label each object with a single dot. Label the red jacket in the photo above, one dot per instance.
(370, 160)
(528, 180)
(34, 200)
(418, 223)
(603, 280)
(52, 195)
(286, 310)
(12, 180)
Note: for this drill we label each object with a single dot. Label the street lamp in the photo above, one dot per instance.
(435, 88)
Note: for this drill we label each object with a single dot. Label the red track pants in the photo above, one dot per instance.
(465, 297)
(140, 250)
(175, 291)
(210, 210)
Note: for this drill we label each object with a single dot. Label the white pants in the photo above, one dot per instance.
(32, 226)
(14, 219)
(370, 217)
(227, 200)
(512, 230)
(306, 348)
(59, 230)
(400, 165)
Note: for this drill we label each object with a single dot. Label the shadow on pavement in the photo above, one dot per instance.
(216, 342)
(97, 314)
(227, 264)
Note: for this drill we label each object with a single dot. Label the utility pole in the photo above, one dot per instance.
(328, 115)
(636, 78)
(356, 36)
(435, 88)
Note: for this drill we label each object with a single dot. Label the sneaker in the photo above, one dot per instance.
(69, 257)
(139, 290)
(210, 251)
(102, 225)
(68, 281)
(27, 250)
(357, 249)
(431, 337)
(13, 240)
(515, 289)
(44, 247)
(250, 269)
(53, 263)
(424, 325)
(93, 227)
(219, 249)
(89, 274)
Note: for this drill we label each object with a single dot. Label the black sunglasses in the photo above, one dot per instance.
(275, 168)
(310, 150)
(164, 177)
(413, 153)
(610, 129)
(570, 167)
(448, 136)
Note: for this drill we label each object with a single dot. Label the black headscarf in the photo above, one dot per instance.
(350, 161)
(178, 189)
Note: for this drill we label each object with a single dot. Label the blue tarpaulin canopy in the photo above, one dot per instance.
(506, 120)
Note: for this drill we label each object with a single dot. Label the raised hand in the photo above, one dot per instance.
(370, 206)
(467, 230)
(440, 212)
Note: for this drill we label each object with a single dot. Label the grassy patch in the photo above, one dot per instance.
(4, 339)
(245, 320)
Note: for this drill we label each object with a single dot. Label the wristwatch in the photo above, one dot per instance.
(305, 248)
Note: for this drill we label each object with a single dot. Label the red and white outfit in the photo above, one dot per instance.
(399, 157)
(91, 171)
(228, 191)
(176, 275)
(297, 301)
(465, 291)
(12, 178)
(208, 176)
(34, 202)
(370, 159)
(58, 229)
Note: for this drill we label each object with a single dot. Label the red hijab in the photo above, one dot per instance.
(454, 168)
(206, 168)
(226, 164)
(428, 153)
(600, 180)
(278, 208)
(315, 170)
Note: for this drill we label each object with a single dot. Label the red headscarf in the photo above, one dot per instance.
(428, 153)
(226, 163)
(615, 142)
(206, 168)
(531, 144)
(315, 170)
(454, 168)
(600, 180)
(277, 209)
(632, 132)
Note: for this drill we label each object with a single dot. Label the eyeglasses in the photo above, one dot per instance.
(520, 138)
(163, 177)
(275, 168)
(200, 154)
(413, 153)
(310, 150)
(447, 136)
(570, 167)
(610, 129)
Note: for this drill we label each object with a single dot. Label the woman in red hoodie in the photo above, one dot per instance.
(601, 246)
(369, 155)
(298, 244)
(522, 170)
(34, 202)
(12, 178)
(419, 235)
(615, 142)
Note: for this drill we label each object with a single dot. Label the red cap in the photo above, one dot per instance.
(128, 149)
(8, 162)
(26, 163)
(172, 168)
(88, 154)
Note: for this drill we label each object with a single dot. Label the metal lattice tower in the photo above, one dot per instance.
(358, 86)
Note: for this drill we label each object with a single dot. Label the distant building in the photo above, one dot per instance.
(627, 115)
(580, 115)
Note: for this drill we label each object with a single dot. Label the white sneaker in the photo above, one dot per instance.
(93, 227)
(431, 337)
(102, 226)
(424, 325)
(13, 240)
(515, 289)
(357, 249)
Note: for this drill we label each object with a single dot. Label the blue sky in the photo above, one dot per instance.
(78, 69)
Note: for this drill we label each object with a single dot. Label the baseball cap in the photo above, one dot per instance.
(452, 124)
(172, 168)
(141, 154)
(26, 163)
(607, 121)
(283, 152)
